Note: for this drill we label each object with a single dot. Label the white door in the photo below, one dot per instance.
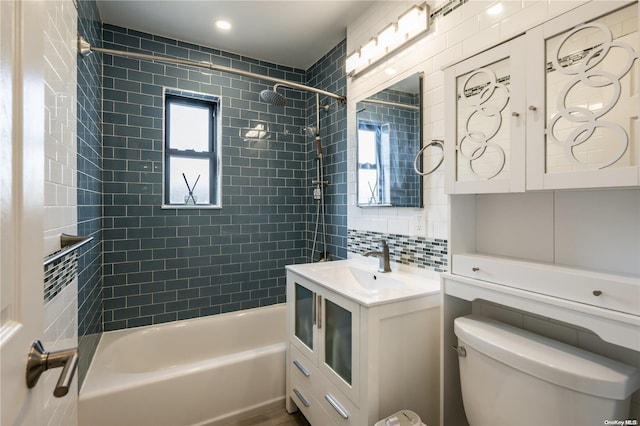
(21, 205)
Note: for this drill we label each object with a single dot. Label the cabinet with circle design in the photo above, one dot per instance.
(556, 108)
(484, 101)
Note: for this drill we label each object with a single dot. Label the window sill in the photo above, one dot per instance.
(190, 207)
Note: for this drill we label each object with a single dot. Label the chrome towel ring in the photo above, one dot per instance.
(435, 142)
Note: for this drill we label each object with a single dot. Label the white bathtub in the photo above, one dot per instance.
(203, 371)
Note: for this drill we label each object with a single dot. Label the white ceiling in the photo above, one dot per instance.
(292, 33)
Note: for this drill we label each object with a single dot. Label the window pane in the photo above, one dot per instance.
(196, 172)
(366, 147)
(189, 127)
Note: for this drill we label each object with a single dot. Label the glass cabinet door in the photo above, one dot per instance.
(587, 135)
(337, 340)
(486, 120)
(304, 315)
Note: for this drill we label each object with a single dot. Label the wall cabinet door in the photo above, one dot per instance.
(485, 121)
(583, 83)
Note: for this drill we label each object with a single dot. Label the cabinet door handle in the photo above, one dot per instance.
(533, 108)
(313, 309)
(515, 114)
(300, 397)
(331, 400)
(301, 368)
(319, 311)
(475, 269)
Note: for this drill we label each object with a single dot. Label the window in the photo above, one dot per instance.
(191, 150)
(373, 163)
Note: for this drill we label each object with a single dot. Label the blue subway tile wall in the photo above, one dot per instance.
(328, 74)
(167, 264)
(89, 192)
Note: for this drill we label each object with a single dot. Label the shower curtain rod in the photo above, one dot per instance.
(84, 48)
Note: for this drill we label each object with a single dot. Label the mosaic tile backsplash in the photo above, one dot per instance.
(426, 253)
(59, 274)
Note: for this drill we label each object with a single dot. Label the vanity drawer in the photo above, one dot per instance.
(305, 383)
(340, 410)
(609, 291)
(300, 366)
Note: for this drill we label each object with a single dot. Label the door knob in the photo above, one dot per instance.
(39, 361)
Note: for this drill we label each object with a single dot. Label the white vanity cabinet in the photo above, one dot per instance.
(324, 329)
(354, 361)
(570, 85)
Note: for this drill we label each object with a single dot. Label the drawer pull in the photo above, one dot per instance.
(475, 269)
(301, 368)
(300, 397)
(331, 400)
(597, 292)
(515, 114)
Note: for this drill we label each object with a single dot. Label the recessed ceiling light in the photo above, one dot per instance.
(223, 25)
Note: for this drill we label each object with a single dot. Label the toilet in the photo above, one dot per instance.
(509, 376)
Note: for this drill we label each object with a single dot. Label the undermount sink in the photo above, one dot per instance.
(362, 282)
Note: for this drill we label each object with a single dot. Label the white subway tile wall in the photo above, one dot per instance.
(60, 310)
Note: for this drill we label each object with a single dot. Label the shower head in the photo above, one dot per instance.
(273, 97)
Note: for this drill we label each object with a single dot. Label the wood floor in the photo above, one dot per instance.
(275, 417)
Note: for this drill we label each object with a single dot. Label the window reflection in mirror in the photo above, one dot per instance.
(389, 127)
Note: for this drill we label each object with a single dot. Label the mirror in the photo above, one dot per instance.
(389, 133)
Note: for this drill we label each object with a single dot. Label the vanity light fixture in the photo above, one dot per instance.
(409, 26)
(387, 37)
(369, 50)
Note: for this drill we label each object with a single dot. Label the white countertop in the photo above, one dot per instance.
(362, 283)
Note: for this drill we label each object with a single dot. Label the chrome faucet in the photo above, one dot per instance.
(382, 255)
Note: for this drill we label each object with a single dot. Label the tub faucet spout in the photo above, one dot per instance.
(382, 255)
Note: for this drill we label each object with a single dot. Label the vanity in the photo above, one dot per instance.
(361, 344)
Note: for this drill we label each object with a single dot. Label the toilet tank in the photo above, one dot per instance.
(510, 376)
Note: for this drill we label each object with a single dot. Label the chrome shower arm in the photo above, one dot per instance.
(85, 48)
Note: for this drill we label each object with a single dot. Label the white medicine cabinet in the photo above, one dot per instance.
(558, 104)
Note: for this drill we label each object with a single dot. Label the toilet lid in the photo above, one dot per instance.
(548, 359)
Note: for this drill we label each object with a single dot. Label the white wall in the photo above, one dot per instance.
(60, 313)
(464, 32)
